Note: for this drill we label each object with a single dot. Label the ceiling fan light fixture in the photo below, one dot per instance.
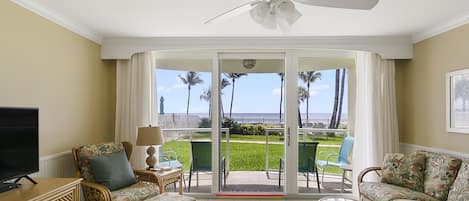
(262, 14)
(286, 10)
(270, 14)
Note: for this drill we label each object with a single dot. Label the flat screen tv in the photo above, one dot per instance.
(19, 142)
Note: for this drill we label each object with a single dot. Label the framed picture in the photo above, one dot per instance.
(457, 101)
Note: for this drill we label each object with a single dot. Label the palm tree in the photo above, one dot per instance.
(336, 99)
(341, 99)
(224, 83)
(207, 95)
(192, 78)
(309, 77)
(302, 96)
(282, 79)
(233, 77)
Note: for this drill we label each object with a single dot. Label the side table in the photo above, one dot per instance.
(165, 177)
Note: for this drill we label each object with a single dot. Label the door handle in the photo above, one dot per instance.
(288, 136)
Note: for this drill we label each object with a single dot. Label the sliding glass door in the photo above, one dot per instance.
(251, 95)
(254, 122)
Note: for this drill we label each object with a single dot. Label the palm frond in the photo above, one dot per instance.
(302, 94)
(192, 78)
(235, 75)
(309, 76)
(224, 83)
(184, 80)
(206, 95)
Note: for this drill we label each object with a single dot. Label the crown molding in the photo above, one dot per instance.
(389, 47)
(441, 28)
(60, 20)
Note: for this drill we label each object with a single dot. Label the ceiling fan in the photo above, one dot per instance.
(282, 13)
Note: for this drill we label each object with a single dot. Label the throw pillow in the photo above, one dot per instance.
(112, 170)
(440, 173)
(404, 170)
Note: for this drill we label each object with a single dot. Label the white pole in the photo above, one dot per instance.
(291, 127)
(215, 125)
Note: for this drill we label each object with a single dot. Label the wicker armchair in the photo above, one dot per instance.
(361, 177)
(97, 192)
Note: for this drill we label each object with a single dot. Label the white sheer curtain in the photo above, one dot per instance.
(376, 130)
(135, 101)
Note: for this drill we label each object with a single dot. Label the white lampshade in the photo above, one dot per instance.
(149, 136)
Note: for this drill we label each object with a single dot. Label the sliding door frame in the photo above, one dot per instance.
(290, 108)
(291, 69)
(291, 124)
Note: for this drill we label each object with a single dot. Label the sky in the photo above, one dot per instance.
(254, 93)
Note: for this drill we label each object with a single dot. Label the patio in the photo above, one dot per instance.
(257, 181)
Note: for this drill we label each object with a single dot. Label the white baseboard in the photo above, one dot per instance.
(56, 165)
(408, 148)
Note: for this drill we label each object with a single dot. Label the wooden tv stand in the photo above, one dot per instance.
(62, 189)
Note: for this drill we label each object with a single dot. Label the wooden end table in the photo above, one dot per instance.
(166, 177)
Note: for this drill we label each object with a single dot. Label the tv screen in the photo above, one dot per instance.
(19, 143)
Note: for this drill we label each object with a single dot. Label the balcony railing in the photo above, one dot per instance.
(302, 132)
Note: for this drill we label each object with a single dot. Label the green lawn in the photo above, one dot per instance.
(322, 139)
(247, 156)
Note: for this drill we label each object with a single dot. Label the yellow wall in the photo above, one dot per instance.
(421, 90)
(46, 66)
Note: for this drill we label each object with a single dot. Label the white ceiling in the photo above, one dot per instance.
(154, 18)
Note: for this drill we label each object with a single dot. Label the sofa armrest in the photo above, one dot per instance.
(366, 171)
(95, 192)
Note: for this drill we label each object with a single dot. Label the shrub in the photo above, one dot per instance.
(252, 130)
(232, 125)
(274, 133)
(260, 130)
(205, 123)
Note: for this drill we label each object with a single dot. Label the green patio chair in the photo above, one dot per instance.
(202, 161)
(306, 162)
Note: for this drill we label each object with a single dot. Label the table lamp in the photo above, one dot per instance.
(149, 136)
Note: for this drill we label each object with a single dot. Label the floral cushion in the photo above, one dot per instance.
(377, 191)
(461, 184)
(91, 150)
(404, 170)
(463, 196)
(137, 192)
(440, 173)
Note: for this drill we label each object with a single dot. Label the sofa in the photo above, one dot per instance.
(421, 175)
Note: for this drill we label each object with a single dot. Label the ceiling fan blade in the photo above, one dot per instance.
(233, 12)
(348, 4)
